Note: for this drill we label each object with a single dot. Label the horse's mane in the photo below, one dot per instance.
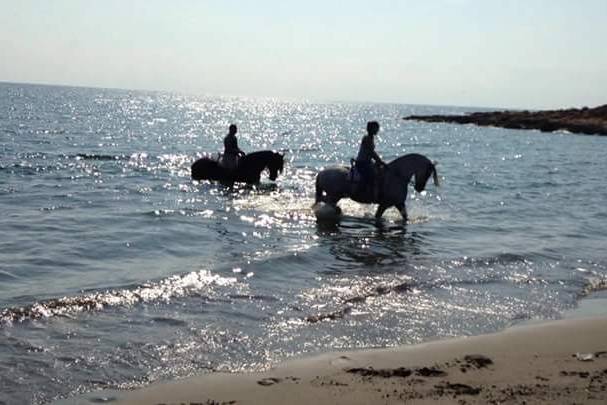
(260, 153)
(409, 157)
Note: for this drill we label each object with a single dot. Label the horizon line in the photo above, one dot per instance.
(278, 98)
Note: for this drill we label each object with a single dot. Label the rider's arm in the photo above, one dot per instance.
(377, 158)
(236, 148)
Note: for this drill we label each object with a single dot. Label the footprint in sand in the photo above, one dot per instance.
(430, 372)
(269, 381)
(478, 360)
(341, 362)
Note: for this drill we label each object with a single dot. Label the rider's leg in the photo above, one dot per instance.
(366, 174)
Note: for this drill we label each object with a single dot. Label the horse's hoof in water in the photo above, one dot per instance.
(326, 212)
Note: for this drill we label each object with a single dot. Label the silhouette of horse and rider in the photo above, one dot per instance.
(236, 166)
(369, 180)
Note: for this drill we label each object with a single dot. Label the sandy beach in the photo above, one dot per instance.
(559, 362)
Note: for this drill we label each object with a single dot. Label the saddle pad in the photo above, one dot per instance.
(354, 175)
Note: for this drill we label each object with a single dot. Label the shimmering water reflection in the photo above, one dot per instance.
(116, 269)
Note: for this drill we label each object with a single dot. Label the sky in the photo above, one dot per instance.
(484, 53)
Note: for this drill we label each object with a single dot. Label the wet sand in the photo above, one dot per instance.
(559, 362)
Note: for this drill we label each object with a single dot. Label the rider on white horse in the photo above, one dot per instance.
(231, 151)
(365, 158)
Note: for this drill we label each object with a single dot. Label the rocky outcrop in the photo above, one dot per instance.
(586, 120)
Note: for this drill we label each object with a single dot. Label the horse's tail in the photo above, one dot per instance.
(434, 174)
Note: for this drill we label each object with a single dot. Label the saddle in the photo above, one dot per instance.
(354, 176)
(229, 162)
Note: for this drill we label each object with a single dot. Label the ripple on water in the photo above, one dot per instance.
(102, 200)
(163, 290)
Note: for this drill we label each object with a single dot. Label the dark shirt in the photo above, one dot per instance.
(230, 145)
(367, 150)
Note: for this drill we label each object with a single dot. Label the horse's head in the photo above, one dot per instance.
(276, 165)
(423, 174)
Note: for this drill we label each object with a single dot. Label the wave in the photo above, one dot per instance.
(346, 304)
(93, 156)
(499, 259)
(397, 288)
(594, 284)
(29, 170)
(163, 290)
(9, 131)
(184, 212)
(5, 275)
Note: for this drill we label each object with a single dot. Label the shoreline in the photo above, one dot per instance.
(553, 362)
(590, 121)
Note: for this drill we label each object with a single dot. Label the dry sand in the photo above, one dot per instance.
(561, 362)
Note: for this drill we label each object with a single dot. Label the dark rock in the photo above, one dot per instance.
(586, 120)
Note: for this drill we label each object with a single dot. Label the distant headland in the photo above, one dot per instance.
(592, 121)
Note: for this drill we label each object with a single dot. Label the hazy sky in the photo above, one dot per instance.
(508, 53)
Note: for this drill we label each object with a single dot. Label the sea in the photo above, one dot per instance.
(117, 270)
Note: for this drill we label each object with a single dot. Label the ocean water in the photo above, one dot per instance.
(118, 270)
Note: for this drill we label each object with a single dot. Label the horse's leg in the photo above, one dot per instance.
(332, 200)
(380, 211)
(318, 192)
(402, 209)
(337, 207)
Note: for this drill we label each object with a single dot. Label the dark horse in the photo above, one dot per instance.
(333, 184)
(248, 170)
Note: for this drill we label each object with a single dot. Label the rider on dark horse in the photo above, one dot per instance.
(365, 158)
(231, 151)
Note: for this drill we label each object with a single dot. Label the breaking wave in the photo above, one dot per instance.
(163, 290)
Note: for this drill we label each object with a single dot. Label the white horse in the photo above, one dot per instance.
(334, 183)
